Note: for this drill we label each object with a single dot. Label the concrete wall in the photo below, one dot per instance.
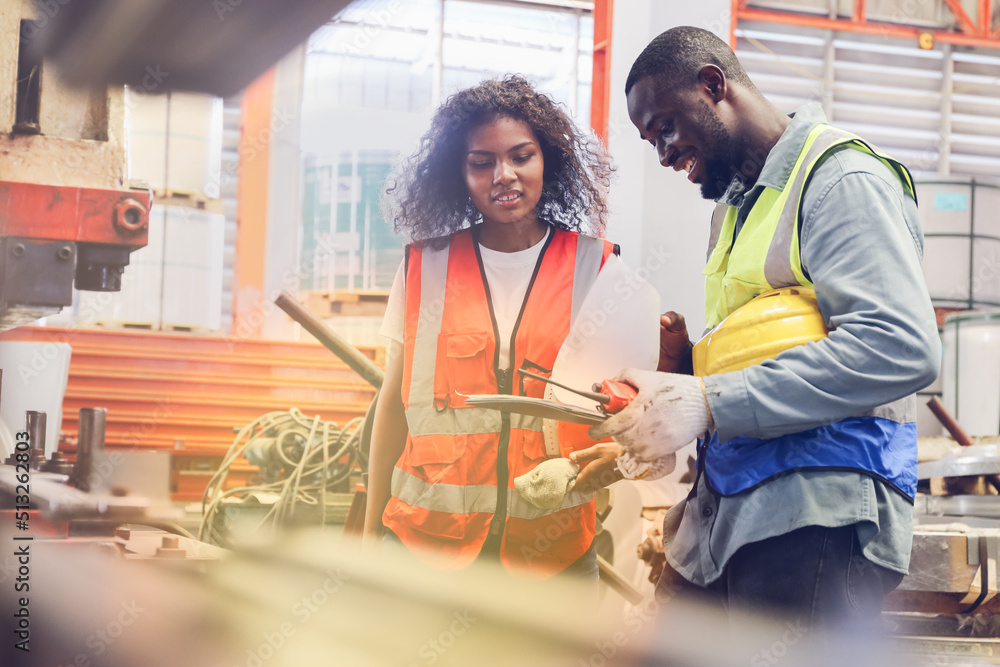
(284, 200)
(657, 216)
(655, 212)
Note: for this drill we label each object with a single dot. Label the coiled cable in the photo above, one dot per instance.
(314, 454)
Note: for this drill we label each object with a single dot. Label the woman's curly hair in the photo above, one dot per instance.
(427, 197)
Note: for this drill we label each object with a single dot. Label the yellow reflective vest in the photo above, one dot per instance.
(765, 255)
(880, 442)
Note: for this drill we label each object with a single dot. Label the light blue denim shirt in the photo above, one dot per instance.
(861, 246)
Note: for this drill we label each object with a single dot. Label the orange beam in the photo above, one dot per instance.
(964, 21)
(251, 210)
(600, 91)
(734, 11)
(985, 22)
(859, 12)
(161, 388)
(881, 29)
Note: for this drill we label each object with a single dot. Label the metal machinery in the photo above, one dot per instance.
(68, 215)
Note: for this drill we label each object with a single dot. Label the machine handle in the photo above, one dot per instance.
(331, 340)
(619, 394)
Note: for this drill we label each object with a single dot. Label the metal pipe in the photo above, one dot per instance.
(945, 126)
(616, 582)
(331, 340)
(952, 426)
(35, 425)
(603, 399)
(90, 441)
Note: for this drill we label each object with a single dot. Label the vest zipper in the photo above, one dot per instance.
(504, 378)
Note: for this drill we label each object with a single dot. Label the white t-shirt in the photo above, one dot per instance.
(507, 274)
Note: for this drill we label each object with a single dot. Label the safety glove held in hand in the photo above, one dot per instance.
(548, 483)
(668, 412)
(632, 468)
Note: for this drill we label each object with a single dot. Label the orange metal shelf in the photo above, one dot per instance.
(161, 388)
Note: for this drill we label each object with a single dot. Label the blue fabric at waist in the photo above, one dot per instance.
(880, 447)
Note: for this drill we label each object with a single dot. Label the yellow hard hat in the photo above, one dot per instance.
(768, 325)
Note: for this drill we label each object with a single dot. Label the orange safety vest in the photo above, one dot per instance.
(453, 486)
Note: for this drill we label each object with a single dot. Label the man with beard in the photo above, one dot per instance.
(807, 467)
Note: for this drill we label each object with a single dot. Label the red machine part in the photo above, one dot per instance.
(619, 393)
(86, 215)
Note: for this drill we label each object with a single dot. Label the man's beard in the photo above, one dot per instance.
(722, 162)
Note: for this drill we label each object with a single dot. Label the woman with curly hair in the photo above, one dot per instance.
(495, 203)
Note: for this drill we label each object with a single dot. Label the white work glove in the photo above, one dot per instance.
(668, 412)
(549, 482)
(632, 468)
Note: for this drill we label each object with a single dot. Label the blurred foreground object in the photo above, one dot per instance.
(313, 599)
(216, 47)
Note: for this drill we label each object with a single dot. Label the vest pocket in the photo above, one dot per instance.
(430, 511)
(464, 366)
(432, 457)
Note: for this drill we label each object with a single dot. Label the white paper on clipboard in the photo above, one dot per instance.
(617, 326)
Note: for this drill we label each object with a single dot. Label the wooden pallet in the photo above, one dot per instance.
(324, 304)
(151, 327)
(187, 199)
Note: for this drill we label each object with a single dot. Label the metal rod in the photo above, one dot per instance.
(34, 422)
(952, 426)
(972, 243)
(597, 396)
(616, 582)
(331, 340)
(90, 441)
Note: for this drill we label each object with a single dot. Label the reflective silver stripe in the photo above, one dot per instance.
(457, 499)
(525, 422)
(427, 420)
(589, 252)
(433, 280)
(902, 411)
(448, 498)
(778, 266)
(718, 218)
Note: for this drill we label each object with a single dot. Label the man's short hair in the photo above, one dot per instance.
(678, 54)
